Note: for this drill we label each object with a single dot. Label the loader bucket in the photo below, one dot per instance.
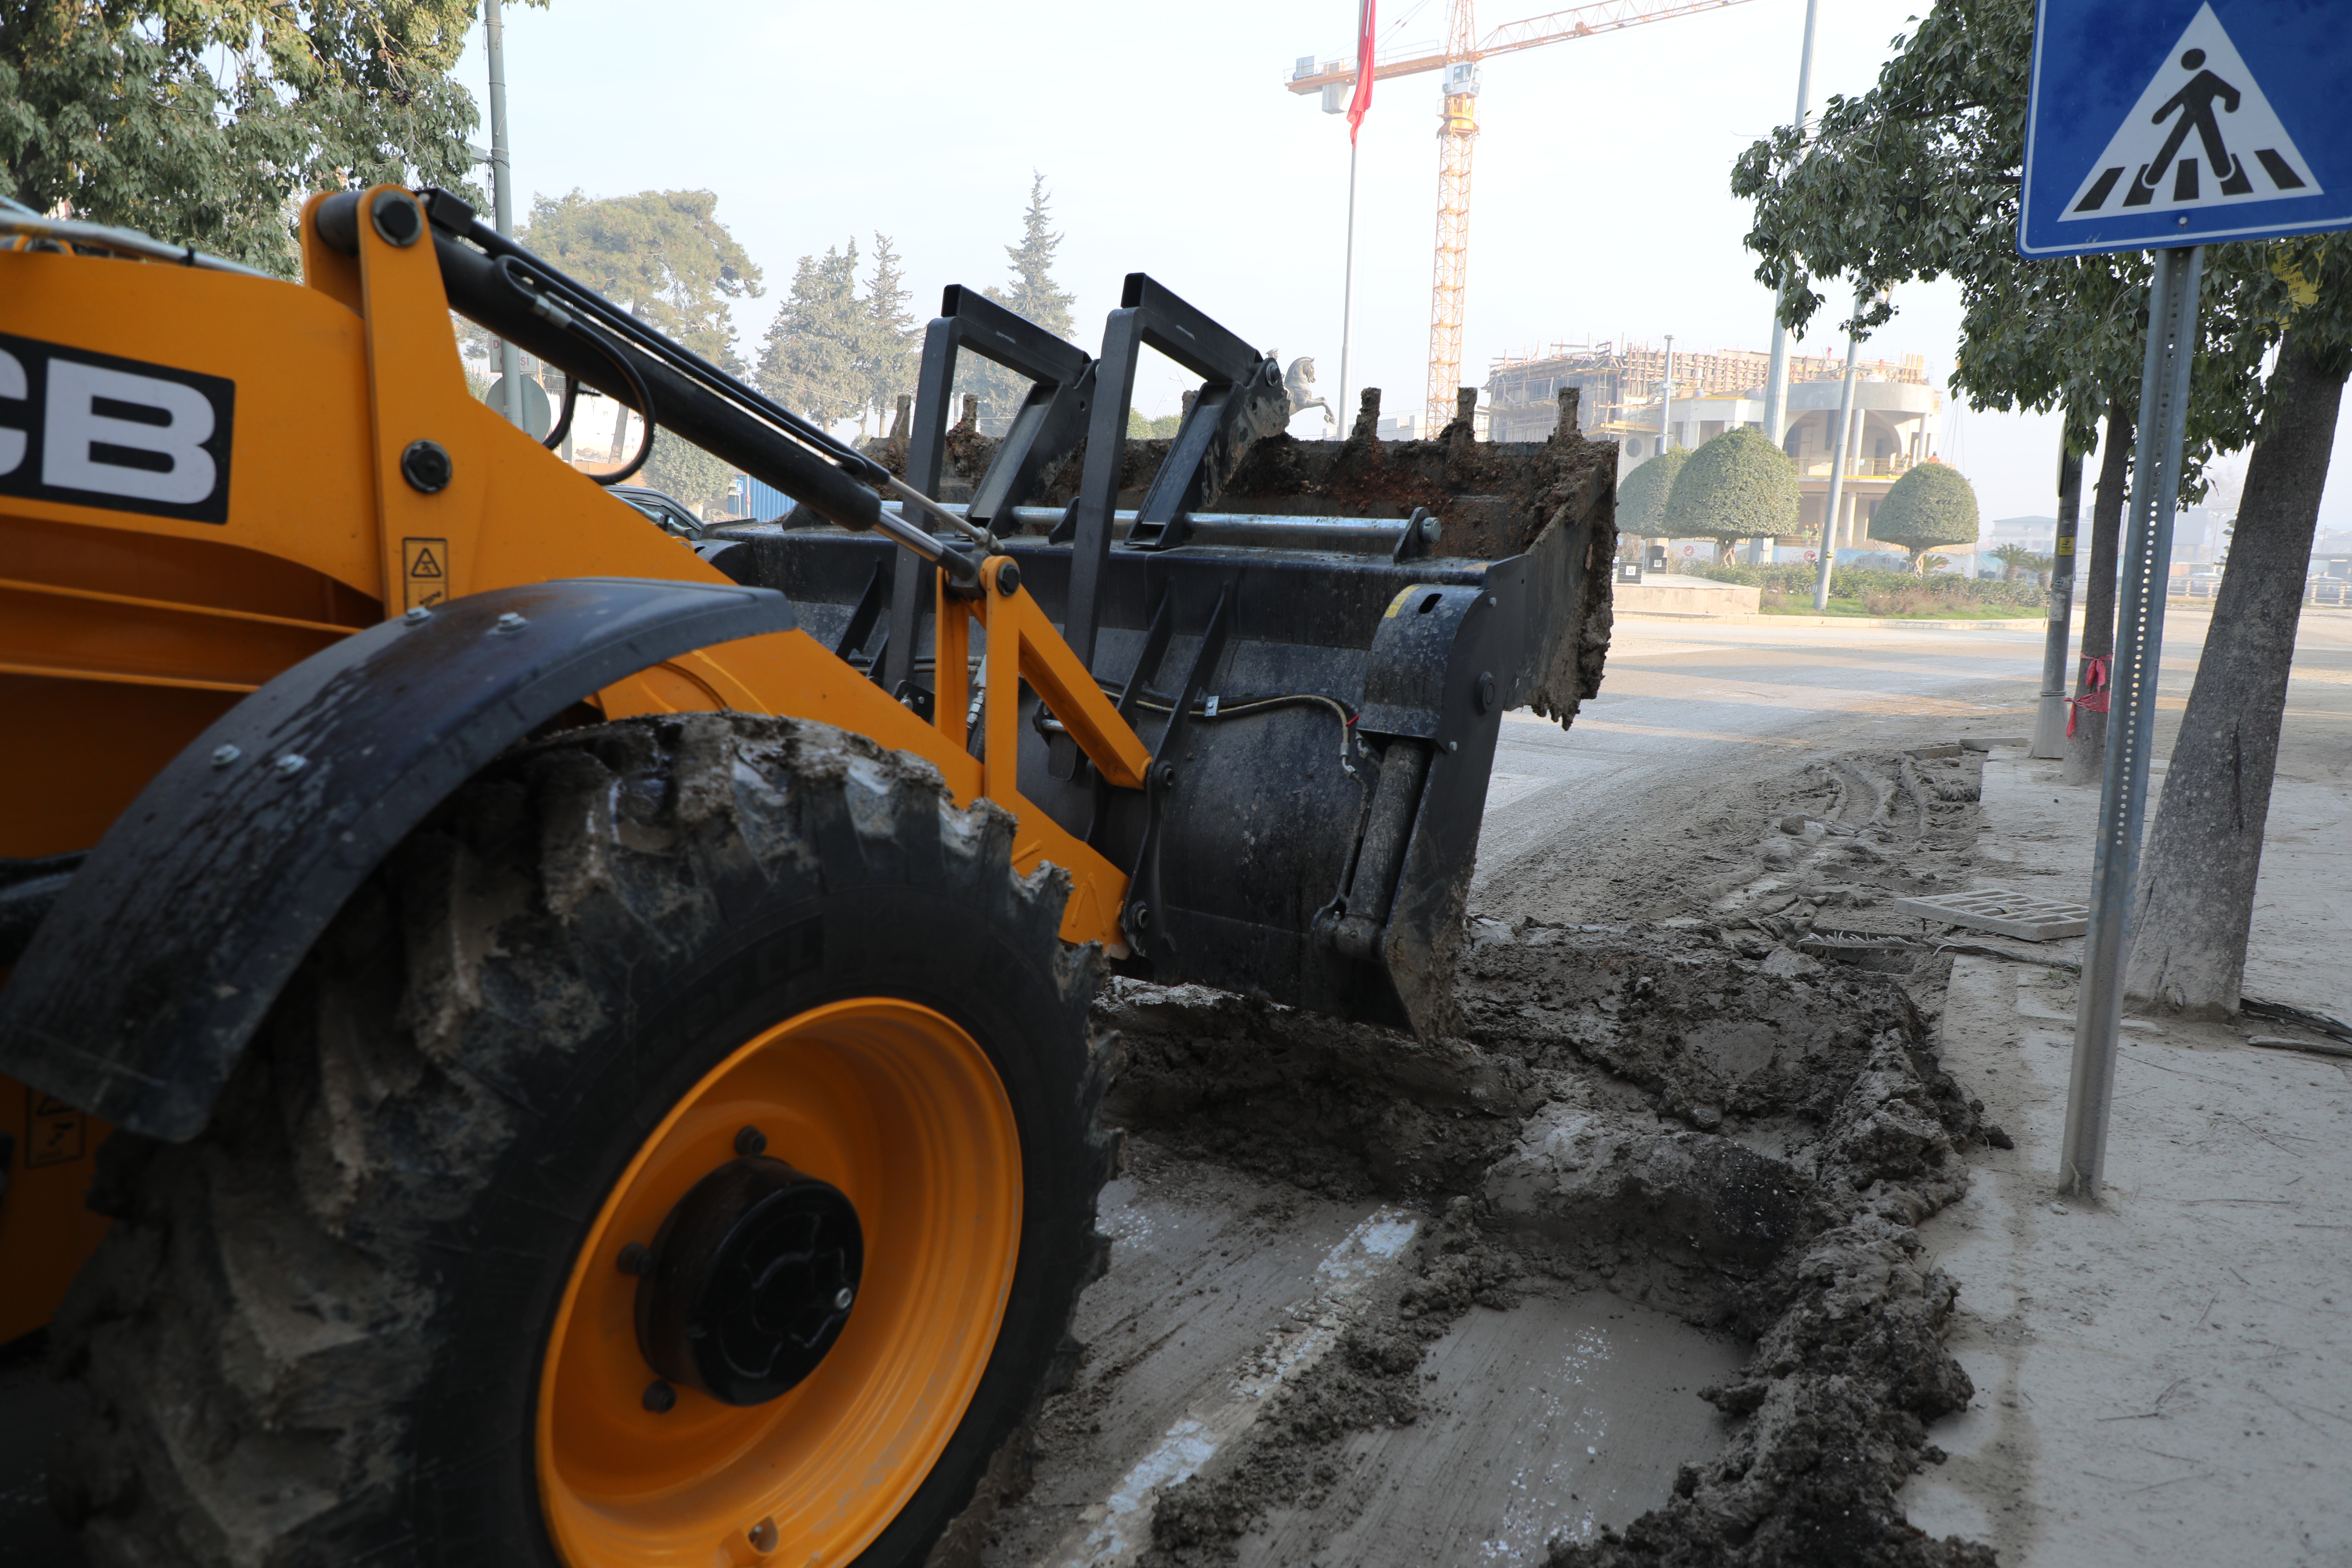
(1318, 640)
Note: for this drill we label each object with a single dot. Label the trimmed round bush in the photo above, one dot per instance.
(1641, 499)
(1930, 506)
(1736, 486)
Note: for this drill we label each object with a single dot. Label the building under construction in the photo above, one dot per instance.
(1620, 398)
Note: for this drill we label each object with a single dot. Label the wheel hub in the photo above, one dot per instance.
(752, 1277)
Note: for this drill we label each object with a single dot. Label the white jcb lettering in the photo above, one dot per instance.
(12, 385)
(162, 459)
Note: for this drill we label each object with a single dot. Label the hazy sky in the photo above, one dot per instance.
(1601, 201)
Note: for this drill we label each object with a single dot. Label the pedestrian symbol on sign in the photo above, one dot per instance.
(2203, 90)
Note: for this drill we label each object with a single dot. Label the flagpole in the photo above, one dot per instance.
(1359, 100)
(1348, 292)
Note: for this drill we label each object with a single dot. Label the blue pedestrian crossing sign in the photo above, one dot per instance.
(2155, 123)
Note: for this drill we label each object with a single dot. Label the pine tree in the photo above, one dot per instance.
(1032, 294)
(892, 337)
(810, 360)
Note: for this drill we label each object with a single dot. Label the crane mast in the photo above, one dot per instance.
(1458, 130)
(1457, 134)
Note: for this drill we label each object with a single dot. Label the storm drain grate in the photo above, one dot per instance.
(2019, 915)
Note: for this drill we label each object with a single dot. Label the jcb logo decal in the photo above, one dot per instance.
(93, 430)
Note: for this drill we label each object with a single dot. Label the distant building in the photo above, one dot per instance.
(1618, 398)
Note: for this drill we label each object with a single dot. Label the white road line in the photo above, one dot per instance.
(1116, 1530)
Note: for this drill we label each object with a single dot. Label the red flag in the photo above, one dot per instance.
(1363, 99)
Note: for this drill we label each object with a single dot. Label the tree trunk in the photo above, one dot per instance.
(2086, 749)
(2195, 897)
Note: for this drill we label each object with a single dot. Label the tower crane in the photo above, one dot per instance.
(1458, 130)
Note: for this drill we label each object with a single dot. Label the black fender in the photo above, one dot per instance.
(140, 987)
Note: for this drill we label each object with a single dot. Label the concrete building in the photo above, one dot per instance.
(1620, 398)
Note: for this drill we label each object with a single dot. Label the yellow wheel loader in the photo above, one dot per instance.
(533, 1041)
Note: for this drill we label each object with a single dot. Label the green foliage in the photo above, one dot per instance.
(832, 355)
(1933, 504)
(1857, 582)
(1138, 428)
(665, 258)
(207, 121)
(813, 361)
(1034, 294)
(1641, 497)
(2018, 558)
(892, 338)
(1919, 179)
(1737, 486)
(662, 255)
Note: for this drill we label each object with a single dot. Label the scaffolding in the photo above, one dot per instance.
(1614, 384)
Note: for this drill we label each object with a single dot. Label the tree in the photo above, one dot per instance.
(2194, 902)
(892, 336)
(206, 121)
(1034, 294)
(1641, 499)
(665, 258)
(813, 361)
(662, 255)
(1918, 178)
(1931, 505)
(1737, 486)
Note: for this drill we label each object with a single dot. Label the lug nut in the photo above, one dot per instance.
(510, 622)
(660, 1398)
(637, 1259)
(750, 1141)
(843, 1298)
(289, 765)
(224, 755)
(417, 616)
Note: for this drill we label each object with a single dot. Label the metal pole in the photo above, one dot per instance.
(2139, 643)
(1666, 408)
(1837, 476)
(501, 190)
(1347, 295)
(1776, 384)
(2050, 721)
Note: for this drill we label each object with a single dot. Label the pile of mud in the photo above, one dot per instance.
(1746, 1145)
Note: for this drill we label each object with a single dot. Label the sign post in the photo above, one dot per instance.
(2164, 125)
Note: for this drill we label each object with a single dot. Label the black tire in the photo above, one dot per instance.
(315, 1334)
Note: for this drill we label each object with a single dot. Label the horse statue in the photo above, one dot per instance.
(1298, 380)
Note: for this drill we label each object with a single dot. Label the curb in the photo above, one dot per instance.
(2002, 624)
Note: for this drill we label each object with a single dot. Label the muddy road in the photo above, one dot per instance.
(1632, 1252)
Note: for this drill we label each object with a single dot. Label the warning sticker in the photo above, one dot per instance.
(424, 571)
(54, 1131)
(2201, 135)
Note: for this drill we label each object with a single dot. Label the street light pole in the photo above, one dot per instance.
(1667, 403)
(502, 192)
(1347, 292)
(1837, 471)
(1776, 385)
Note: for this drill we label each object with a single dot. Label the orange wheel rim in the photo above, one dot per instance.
(898, 1107)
